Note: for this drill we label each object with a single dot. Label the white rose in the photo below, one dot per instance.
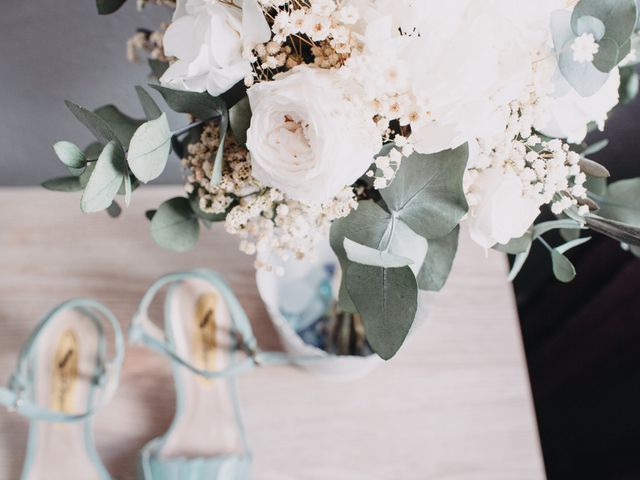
(502, 213)
(306, 138)
(211, 42)
(568, 114)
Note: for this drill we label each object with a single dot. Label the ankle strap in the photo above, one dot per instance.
(106, 378)
(144, 332)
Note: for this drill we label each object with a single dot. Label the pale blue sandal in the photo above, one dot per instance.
(209, 340)
(63, 377)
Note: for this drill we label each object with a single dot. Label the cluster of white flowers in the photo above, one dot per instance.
(331, 81)
(263, 217)
(270, 224)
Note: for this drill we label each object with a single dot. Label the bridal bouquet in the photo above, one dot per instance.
(382, 124)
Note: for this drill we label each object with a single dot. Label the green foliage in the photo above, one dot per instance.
(438, 263)
(123, 126)
(149, 149)
(106, 7)
(611, 22)
(521, 247)
(63, 184)
(174, 225)
(366, 225)
(427, 193)
(114, 210)
(96, 125)
(218, 161)
(70, 155)
(621, 202)
(629, 84)
(201, 105)
(415, 226)
(240, 120)
(151, 109)
(158, 67)
(387, 299)
(563, 269)
(105, 179)
(373, 257)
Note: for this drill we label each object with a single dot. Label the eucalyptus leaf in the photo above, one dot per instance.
(149, 105)
(545, 227)
(149, 149)
(563, 269)
(516, 245)
(375, 258)
(96, 125)
(201, 105)
(387, 299)
(63, 184)
(596, 185)
(158, 67)
(593, 168)
(218, 160)
(427, 192)
(105, 180)
(122, 125)
(114, 210)
(592, 25)
(438, 263)
(595, 148)
(585, 78)
(175, 226)
(105, 7)
(622, 202)
(240, 120)
(366, 225)
(572, 244)
(608, 55)
(127, 189)
(629, 84)
(70, 155)
(520, 260)
(619, 17)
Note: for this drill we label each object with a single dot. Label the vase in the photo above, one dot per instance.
(297, 293)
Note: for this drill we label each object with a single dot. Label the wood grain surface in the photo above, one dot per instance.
(455, 403)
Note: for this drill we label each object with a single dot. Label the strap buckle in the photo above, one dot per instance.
(18, 389)
(250, 349)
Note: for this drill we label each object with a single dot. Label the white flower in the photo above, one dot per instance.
(585, 48)
(501, 211)
(569, 114)
(305, 138)
(212, 42)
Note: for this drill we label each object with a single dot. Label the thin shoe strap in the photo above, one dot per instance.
(107, 377)
(144, 332)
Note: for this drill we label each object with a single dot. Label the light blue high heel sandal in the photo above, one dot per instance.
(63, 377)
(209, 340)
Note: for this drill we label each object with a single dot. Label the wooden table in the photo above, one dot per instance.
(454, 404)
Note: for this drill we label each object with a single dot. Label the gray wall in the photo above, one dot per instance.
(55, 50)
(51, 51)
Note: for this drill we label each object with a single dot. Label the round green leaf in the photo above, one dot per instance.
(149, 149)
(105, 180)
(63, 184)
(427, 193)
(387, 299)
(174, 226)
(563, 269)
(70, 155)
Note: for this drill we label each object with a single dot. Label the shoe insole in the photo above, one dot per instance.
(199, 324)
(65, 364)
